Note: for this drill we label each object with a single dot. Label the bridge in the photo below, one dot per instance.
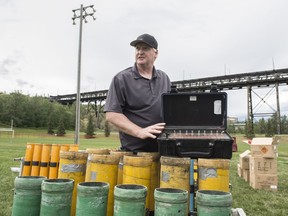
(249, 80)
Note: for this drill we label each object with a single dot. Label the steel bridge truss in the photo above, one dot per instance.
(250, 80)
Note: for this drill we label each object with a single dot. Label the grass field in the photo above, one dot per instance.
(254, 202)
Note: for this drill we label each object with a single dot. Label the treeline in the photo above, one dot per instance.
(40, 112)
(267, 127)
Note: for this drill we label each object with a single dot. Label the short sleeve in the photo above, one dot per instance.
(115, 99)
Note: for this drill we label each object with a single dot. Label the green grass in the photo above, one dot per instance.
(254, 202)
(11, 148)
(259, 202)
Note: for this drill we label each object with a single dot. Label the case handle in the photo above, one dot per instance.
(173, 89)
(194, 154)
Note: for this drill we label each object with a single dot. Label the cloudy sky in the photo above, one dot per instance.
(197, 38)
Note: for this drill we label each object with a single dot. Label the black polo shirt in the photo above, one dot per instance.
(139, 99)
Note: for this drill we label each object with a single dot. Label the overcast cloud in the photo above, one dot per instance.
(39, 44)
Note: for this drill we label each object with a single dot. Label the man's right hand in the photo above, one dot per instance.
(125, 125)
(150, 131)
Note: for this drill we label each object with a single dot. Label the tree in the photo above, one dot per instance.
(61, 128)
(50, 126)
(284, 125)
(270, 128)
(262, 126)
(107, 129)
(33, 111)
(248, 130)
(231, 128)
(90, 127)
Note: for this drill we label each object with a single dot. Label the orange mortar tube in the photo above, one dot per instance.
(36, 160)
(45, 158)
(64, 147)
(54, 161)
(28, 159)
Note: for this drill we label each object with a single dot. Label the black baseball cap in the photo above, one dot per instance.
(147, 39)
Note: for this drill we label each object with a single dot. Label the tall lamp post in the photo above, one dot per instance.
(84, 12)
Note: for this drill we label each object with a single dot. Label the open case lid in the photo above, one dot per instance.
(195, 110)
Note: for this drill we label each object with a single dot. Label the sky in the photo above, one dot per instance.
(197, 38)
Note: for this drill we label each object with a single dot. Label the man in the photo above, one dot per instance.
(133, 102)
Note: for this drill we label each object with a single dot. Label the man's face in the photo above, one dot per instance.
(144, 54)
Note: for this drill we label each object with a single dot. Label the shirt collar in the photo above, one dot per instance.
(138, 76)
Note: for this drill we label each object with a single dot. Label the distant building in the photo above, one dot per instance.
(232, 120)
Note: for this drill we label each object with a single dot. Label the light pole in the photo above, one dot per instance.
(83, 14)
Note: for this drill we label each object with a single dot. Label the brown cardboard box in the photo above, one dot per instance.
(264, 147)
(244, 159)
(259, 165)
(246, 175)
(240, 170)
(264, 181)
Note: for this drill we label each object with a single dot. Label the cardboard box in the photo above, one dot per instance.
(263, 140)
(267, 182)
(244, 159)
(259, 165)
(240, 170)
(246, 175)
(266, 151)
(264, 147)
